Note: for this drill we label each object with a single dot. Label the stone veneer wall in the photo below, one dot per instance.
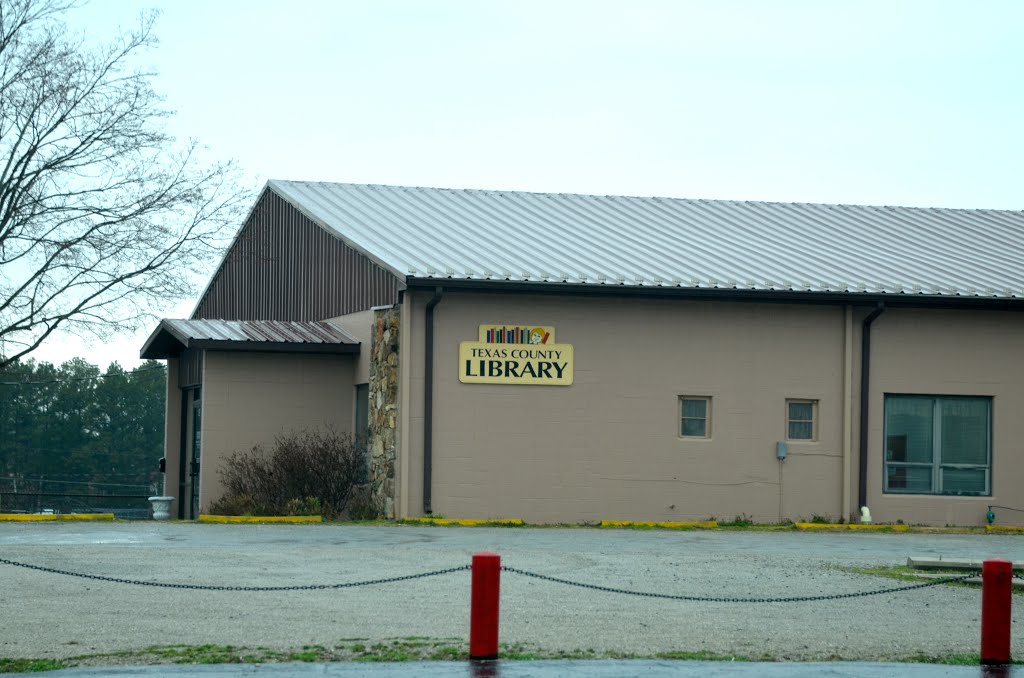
(383, 413)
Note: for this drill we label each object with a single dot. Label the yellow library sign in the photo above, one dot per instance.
(516, 354)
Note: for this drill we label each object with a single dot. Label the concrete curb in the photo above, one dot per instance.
(852, 526)
(1003, 528)
(466, 522)
(64, 517)
(260, 519)
(942, 564)
(670, 525)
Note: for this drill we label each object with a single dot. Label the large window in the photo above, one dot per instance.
(938, 445)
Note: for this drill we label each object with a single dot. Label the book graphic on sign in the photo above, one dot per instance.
(517, 334)
(516, 354)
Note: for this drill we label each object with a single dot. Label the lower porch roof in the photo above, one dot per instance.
(172, 337)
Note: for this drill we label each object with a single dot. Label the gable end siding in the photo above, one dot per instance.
(283, 266)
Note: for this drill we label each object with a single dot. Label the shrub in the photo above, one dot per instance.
(304, 473)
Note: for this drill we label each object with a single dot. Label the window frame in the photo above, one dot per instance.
(813, 402)
(682, 419)
(936, 464)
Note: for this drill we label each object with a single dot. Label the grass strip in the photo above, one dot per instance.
(872, 527)
(668, 525)
(909, 574)
(409, 649)
(30, 665)
(465, 522)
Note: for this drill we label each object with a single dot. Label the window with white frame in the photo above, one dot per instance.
(801, 419)
(938, 444)
(695, 416)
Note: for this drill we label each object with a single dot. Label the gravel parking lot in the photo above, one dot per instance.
(49, 615)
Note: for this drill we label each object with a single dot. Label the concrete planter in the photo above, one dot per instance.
(161, 507)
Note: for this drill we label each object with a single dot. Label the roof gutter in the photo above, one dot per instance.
(865, 387)
(890, 299)
(428, 400)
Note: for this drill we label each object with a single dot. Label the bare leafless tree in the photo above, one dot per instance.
(104, 217)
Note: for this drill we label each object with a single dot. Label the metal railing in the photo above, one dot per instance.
(123, 506)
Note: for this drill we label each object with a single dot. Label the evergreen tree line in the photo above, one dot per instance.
(74, 424)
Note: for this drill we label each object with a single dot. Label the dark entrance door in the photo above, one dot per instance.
(191, 446)
(197, 429)
(362, 426)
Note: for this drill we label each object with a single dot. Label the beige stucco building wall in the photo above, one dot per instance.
(250, 398)
(951, 353)
(360, 327)
(608, 447)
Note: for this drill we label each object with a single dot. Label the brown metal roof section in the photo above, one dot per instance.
(173, 337)
(285, 266)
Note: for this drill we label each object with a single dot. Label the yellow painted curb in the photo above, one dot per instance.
(1003, 528)
(466, 522)
(260, 519)
(37, 517)
(851, 526)
(705, 524)
(85, 516)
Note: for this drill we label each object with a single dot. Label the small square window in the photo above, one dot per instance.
(801, 420)
(695, 418)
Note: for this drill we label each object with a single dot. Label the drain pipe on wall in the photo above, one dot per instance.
(847, 410)
(428, 400)
(865, 386)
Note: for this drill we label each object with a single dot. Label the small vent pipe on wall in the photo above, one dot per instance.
(428, 399)
(865, 387)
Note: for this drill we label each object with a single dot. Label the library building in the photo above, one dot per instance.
(574, 358)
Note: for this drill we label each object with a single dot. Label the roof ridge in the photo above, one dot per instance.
(613, 196)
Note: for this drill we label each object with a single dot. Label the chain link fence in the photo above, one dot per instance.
(127, 501)
(123, 506)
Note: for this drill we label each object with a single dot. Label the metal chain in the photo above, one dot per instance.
(207, 587)
(710, 599)
(513, 570)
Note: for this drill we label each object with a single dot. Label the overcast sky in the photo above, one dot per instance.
(894, 103)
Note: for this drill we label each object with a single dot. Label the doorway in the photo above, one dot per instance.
(191, 452)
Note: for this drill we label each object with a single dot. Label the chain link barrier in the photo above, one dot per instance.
(209, 587)
(713, 599)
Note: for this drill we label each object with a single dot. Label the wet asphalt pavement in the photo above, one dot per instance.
(50, 615)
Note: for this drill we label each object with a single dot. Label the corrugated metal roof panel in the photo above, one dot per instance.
(265, 331)
(614, 240)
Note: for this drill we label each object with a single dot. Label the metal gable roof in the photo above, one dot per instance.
(666, 242)
(173, 336)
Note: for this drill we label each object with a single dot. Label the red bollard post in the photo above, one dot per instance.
(996, 597)
(483, 613)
